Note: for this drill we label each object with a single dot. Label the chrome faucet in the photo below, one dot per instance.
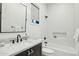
(19, 38)
(16, 40)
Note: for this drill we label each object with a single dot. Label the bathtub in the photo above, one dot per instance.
(63, 49)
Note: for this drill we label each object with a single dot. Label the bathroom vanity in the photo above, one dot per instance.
(33, 51)
(30, 47)
(13, 21)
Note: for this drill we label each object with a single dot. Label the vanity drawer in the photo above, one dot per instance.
(24, 53)
(37, 50)
(34, 51)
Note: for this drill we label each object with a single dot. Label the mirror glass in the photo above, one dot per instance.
(13, 17)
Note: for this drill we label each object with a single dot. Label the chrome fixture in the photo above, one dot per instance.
(19, 39)
(45, 42)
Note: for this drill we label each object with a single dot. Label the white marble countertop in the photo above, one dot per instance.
(11, 50)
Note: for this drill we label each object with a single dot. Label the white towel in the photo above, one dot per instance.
(76, 36)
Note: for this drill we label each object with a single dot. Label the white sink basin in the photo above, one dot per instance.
(12, 49)
(2, 45)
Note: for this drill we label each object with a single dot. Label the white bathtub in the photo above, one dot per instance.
(59, 47)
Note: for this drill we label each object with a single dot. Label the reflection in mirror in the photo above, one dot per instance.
(13, 17)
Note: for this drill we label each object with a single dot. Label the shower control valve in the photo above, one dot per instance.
(45, 42)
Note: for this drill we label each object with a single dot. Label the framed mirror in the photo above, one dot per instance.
(34, 13)
(13, 17)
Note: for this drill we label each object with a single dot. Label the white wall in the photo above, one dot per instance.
(34, 31)
(61, 19)
(37, 31)
(43, 20)
(76, 21)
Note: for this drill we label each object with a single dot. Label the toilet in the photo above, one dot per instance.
(47, 51)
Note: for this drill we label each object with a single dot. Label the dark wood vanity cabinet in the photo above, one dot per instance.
(0, 15)
(34, 51)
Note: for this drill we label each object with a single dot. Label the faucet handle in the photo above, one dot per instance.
(12, 41)
(45, 38)
(45, 42)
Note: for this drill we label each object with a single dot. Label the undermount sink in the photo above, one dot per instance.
(12, 49)
(2, 44)
(24, 43)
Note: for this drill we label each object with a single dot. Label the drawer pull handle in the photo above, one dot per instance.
(29, 53)
(32, 51)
